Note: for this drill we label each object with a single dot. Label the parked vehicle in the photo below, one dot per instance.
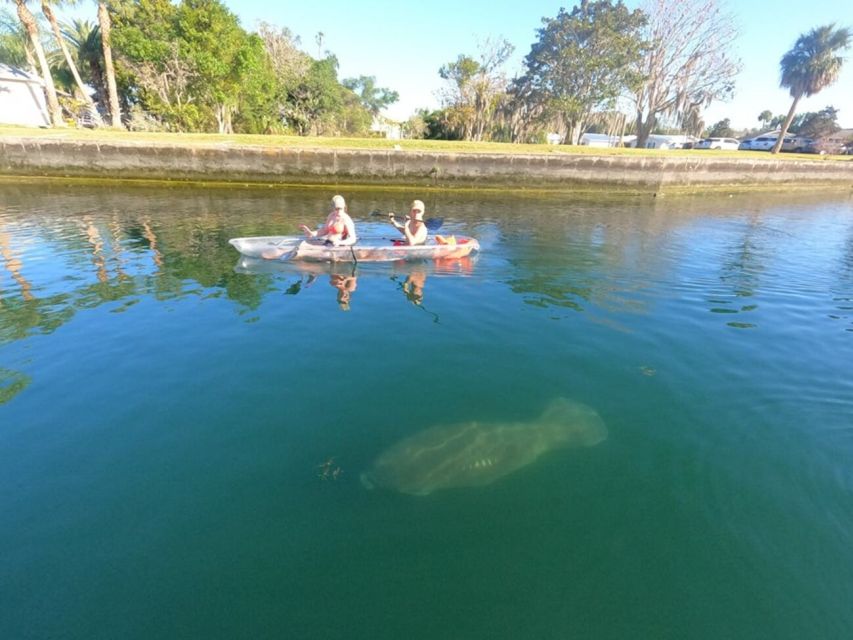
(834, 146)
(761, 143)
(796, 144)
(717, 143)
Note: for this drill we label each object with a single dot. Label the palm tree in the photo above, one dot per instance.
(85, 40)
(15, 46)
(765, 117)
(28, 20)
(109, 70)
(812, 64)
(47, 10)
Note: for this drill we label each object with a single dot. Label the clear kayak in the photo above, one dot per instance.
(299, 248)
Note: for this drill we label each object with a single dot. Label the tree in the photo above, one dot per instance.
(415, 127)
(687, 63)
(193, 68)
(85, 40)
(47, 10)
(31, 26)
(312, 103)
(584, 60)
(288, 62)
(722, 129)
(765, 117)
(105, 26)
(777, 121)
(15, 46)
(812, 64)
(473, 87)
(221, 54)
(373, 98)
(819, 124)
(692, 122)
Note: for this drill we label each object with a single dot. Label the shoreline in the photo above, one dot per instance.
(231, 164)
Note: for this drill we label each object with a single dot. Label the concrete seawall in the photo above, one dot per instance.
(21, 156)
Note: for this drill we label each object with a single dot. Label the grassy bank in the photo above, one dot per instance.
(450, 146)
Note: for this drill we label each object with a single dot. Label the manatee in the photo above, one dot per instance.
(476, 454)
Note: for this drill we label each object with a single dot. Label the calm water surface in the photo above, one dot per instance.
(182, 436)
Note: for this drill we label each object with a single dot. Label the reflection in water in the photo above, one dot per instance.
(11, 384)
(345, 285)
(115, 247)
(843, 295)
(413, 287)
(409, 276)
(476, 453)
(740, 271)
(12, 264)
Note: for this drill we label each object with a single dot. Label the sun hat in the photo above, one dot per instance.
(338, 202)
(418, 208)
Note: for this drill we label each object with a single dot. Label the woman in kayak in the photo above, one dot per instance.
(415, 230)
(339, 229)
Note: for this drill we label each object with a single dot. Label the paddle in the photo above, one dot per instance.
(433, 224)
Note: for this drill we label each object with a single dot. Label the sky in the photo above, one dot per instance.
(404, 44)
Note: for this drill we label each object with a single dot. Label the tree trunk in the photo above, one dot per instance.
(54, 25)
(28, 20)
(786, 124)
(109, 70)
(644, 129)
(32, 63)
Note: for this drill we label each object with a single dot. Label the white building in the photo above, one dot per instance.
(604, 140)
(22, 99)
(387, 128)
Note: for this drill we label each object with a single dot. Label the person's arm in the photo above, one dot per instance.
(308, 231)
(397, 225)
(320, 231)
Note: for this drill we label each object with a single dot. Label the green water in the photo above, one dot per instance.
(170, 419)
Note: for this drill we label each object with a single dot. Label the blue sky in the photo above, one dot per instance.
(403, 44)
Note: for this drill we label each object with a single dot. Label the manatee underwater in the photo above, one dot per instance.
(474, 454)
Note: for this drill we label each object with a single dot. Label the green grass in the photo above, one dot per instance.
(449, 146)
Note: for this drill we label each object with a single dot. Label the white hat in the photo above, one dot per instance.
(338, 202)
(418, 208)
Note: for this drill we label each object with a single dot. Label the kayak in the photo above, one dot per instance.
(287, 248)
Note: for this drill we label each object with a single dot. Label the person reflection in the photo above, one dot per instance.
(413, 287)
(345, 286)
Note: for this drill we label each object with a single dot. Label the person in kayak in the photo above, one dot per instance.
(339, 229)
(415, 230)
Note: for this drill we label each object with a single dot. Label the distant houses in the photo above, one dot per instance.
(22, 100)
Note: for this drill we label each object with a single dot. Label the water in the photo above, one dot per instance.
(169, 422)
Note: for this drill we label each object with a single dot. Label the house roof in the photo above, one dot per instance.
(13, 74)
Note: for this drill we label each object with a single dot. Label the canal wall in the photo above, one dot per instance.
(227, 162)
